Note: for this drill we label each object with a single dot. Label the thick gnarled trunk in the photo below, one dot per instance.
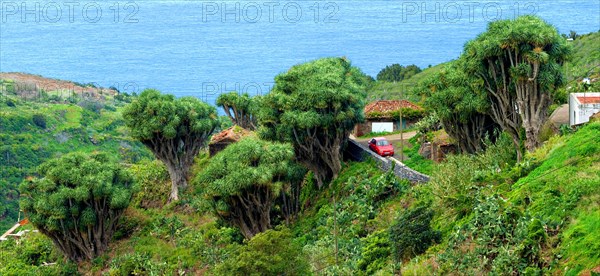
(178, 180)
(321, 151)
(251, 211)
(86, 243)
(470, 136)
(503, 105)
(533, 107)
(178, 156)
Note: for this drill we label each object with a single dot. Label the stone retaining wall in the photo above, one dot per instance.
(359, 152)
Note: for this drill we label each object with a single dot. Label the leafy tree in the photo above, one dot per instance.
(519, 64)
(173, 129)
(573, 35)
(270, 253)
(460, 107)
(78, 202)
(246, 179)
(239, 108)
(397, 72)
(314, 106)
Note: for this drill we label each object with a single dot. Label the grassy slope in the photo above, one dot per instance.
(586, 58)
(562, 191)
(401, 90)
(565, 190)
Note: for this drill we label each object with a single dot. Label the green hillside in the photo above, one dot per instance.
(382, 90)
(34, 130)
(480, 214)
(540, 216)
(585, 63)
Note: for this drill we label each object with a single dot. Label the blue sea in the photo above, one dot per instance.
(203, 48)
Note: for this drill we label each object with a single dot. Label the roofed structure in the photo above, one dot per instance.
(582, 106)
(384, 116)
(221, 140)
(383, 107)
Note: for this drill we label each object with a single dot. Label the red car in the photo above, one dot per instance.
(381, 146)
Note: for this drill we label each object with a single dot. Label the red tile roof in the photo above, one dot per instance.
(589, 99)
(234, 133)
(385, 106)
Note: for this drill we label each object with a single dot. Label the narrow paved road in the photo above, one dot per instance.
(394, 139)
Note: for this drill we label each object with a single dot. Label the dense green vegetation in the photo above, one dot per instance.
(250, 179)
(314, 106)
(461, 110)
(496, 220)
(253, 211)
(78, 202)
(175, 130)
(34, 130)
(585, 63)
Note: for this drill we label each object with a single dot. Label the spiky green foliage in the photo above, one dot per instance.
(173, 129)
(78, 202)
(314, 106)
(246, 180)
(240, 108)
(519, 63)
(460, 106)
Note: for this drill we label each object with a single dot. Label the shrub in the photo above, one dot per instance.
(10, 103)
(137, 264)
(91, 105)
(151, 178)
(39, 120)
(269, 253)
(497, 239)
(411, 234)
(456, 181)
(375, 252)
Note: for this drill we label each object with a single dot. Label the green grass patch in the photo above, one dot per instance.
(412, 157)
(401, 90)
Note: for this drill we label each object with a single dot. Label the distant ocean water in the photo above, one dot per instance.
(203, 48)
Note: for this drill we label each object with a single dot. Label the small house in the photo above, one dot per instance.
(384, 116)
(582, 106)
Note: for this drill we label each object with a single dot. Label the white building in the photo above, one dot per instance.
(582, 106)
